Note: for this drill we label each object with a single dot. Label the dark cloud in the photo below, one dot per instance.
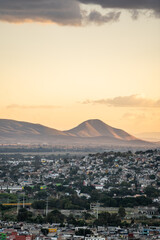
(134, 5)
(156, 13)
(98, 18)
(126, 4)
(127, 101)
(69, 12)
(65, 12)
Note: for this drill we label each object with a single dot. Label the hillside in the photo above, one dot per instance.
(89, 133)
(12, 127)
(97, 128)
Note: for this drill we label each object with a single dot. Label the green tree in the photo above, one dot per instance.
(41, 204)
(151, 192)
(71, 220)
(122, 212)
(24, 215)
(45, 231)
(39, 219)
(105, 218)
(83, 232)
(152, 176)
(55, 217)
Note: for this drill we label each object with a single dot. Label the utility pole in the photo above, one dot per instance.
(47, 206)
(97, 210)
(18, 206)
(23, 201)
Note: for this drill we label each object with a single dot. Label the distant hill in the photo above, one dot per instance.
(12, 131)
(149, 136)
(97, 128)
(12, 127)
(89, 133)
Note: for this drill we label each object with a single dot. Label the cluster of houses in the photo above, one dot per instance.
(104, 172)
(24, 231)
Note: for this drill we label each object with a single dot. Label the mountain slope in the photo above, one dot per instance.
(97, 128)
(89, 133)
(12, 128)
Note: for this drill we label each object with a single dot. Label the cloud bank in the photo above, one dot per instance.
(63, 12)
(126, 4)
(133, 5)
(127, 101)
(69, 12)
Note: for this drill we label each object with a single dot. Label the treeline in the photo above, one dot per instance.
(71, 202)
(81, 203)
(45, 149)
(56, 216)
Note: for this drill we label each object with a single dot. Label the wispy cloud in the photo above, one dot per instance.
(13, 106)
(96, 17)
(134, 116)
(127, 101)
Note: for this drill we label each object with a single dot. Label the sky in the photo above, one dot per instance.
(66, 61)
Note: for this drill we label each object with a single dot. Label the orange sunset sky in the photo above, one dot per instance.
(63, 62)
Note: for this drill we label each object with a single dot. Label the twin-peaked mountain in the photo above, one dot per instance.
(91, 132)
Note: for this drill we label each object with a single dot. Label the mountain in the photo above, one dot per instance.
(12, 127)
(89, 133)
(12, 131)
(97, 128)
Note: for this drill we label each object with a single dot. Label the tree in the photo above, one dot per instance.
(87, 216)
(24, 215)
(83, 232)
(105, 218)
(122, 212)
(55, 217)
(152, 177)
(41, 204)
(45, 231)
(151, 191)
(39, 219)
(71, 220)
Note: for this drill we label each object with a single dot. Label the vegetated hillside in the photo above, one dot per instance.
(89, 133)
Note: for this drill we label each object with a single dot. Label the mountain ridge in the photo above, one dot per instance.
(90, 132)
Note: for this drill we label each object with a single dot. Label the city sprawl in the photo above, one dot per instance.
(112, 195)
